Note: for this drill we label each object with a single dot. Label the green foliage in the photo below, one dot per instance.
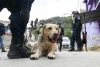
(67, 30)
(56, 20)
(35, 32)
(65, 21)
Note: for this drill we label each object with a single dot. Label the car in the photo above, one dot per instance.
(66, 42)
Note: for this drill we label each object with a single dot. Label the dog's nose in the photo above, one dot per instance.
(55, 34)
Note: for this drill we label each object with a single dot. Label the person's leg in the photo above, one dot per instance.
(17, 48)
(2, 45)
(78, 41)
(19, 20)
(60, 47)
(72, 41)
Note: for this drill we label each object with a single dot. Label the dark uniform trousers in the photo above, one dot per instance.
(60, 38)
(19, 14)
(60, 42)
(75, 37)
(20, 10)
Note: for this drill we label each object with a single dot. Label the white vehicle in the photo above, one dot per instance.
(66, 42)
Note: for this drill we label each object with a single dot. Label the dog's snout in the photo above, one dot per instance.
(55, 34)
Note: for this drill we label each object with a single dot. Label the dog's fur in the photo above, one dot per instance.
(46, 43)
(84, 39)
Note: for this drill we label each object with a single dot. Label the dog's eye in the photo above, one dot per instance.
(56, 28)
(50, 28)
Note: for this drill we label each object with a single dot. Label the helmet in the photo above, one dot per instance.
(75, 12)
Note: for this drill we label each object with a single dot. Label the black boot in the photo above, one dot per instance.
(71, 49)
(79, 48)
(3, 51)
(17, 49)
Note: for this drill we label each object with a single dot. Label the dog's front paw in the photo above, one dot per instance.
(34, 56)
(51, 56)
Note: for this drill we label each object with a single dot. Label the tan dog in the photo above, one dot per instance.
(46, 43)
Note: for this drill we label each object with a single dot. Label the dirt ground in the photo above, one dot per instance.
(93, 48)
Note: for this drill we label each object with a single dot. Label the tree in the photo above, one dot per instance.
(67, 30)
(65, 21)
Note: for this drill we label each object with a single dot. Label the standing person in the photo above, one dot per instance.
(1, 44)
(3, 30)
(20, 13)
(76, 32)
(60, 36)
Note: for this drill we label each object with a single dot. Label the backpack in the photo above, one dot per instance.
(2, 31)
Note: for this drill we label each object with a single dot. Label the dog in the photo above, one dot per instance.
(47, 42)
(84, 39)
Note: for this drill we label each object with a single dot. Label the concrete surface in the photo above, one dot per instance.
(63, 59)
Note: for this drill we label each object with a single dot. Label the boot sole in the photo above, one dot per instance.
(17, 56)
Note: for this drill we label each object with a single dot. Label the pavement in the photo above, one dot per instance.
(63, 59)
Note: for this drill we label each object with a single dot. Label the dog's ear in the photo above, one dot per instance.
(42, 29)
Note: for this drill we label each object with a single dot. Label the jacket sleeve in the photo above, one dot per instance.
(78, 24)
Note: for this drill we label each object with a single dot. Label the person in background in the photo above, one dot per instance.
(20, 14)
(76, 32)
(1, 38)
(60, 36)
